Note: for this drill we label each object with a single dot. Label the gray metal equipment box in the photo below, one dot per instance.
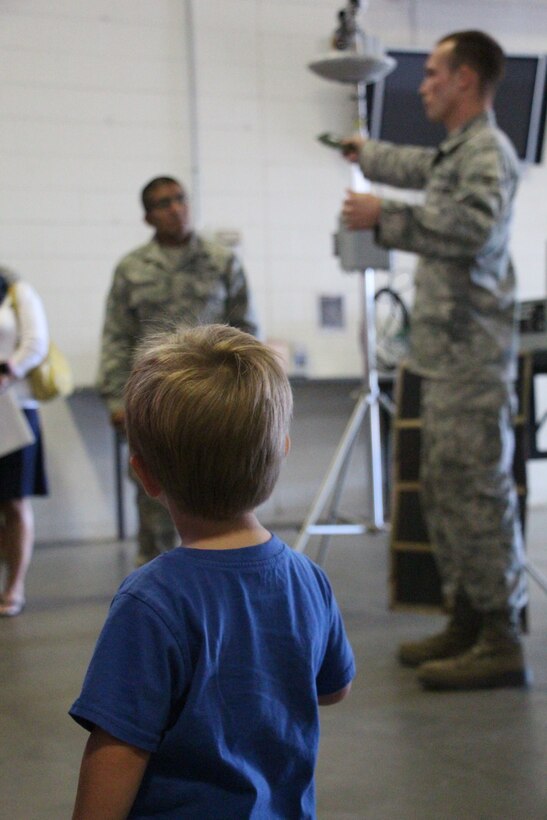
(358, 251)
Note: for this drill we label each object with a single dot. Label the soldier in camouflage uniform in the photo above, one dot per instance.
(463, 344)
(177, 278)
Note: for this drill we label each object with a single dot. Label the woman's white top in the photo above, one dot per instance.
(24, 338)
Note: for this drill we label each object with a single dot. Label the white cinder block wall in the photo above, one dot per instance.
(98, 97)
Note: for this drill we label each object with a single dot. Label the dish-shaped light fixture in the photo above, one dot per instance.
(366, 62)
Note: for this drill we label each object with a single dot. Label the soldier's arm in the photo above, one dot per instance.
(120, 333)
(457, 227)
(400, 166)
(240, 311)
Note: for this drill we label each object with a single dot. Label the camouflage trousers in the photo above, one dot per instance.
(469, 496)
(156, 530)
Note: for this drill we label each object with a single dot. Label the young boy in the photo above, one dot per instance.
(202, 693)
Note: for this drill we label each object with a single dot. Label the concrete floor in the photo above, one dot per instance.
(389, 752)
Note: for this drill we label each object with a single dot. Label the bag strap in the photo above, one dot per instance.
(12, 293)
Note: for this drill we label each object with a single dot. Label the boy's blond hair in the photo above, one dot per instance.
(208, 412)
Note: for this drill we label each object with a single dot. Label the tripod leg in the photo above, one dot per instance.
(331, 477)
(387, 403)
(333, 506)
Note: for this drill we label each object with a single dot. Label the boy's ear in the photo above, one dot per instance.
(287, 445)
(150, 485)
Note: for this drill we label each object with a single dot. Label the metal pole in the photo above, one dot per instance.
(375, 487)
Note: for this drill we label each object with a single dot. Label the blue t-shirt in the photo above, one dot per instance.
(212, 660)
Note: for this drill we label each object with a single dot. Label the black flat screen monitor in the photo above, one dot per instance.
(396, 113)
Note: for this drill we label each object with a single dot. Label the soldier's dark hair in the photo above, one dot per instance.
(148, 190)
(480, 52)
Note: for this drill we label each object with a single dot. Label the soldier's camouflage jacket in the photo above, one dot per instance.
(463, 321)
(208, 286)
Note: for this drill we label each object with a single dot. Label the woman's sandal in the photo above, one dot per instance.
(9, 609)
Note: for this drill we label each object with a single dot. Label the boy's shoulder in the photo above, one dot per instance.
(181, 568)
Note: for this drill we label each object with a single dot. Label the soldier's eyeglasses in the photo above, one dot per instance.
(166, 201)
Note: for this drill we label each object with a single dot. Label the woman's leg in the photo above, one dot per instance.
(17, 547)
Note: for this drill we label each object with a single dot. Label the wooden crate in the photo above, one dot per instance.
(414, 580)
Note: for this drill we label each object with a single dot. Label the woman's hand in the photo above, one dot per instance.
(6, 376)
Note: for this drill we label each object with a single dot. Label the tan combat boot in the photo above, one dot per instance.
(496, 660)
(458, 636)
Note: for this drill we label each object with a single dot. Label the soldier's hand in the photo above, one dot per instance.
(351, 147)
(361, 211)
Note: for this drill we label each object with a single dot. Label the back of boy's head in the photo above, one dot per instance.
(208, 412)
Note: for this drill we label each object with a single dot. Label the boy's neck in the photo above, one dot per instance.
(237, 533)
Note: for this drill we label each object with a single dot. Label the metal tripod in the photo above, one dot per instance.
(366, 414)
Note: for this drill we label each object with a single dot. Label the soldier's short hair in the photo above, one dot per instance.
(479, 51)
(148, 190)
(208, 412)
